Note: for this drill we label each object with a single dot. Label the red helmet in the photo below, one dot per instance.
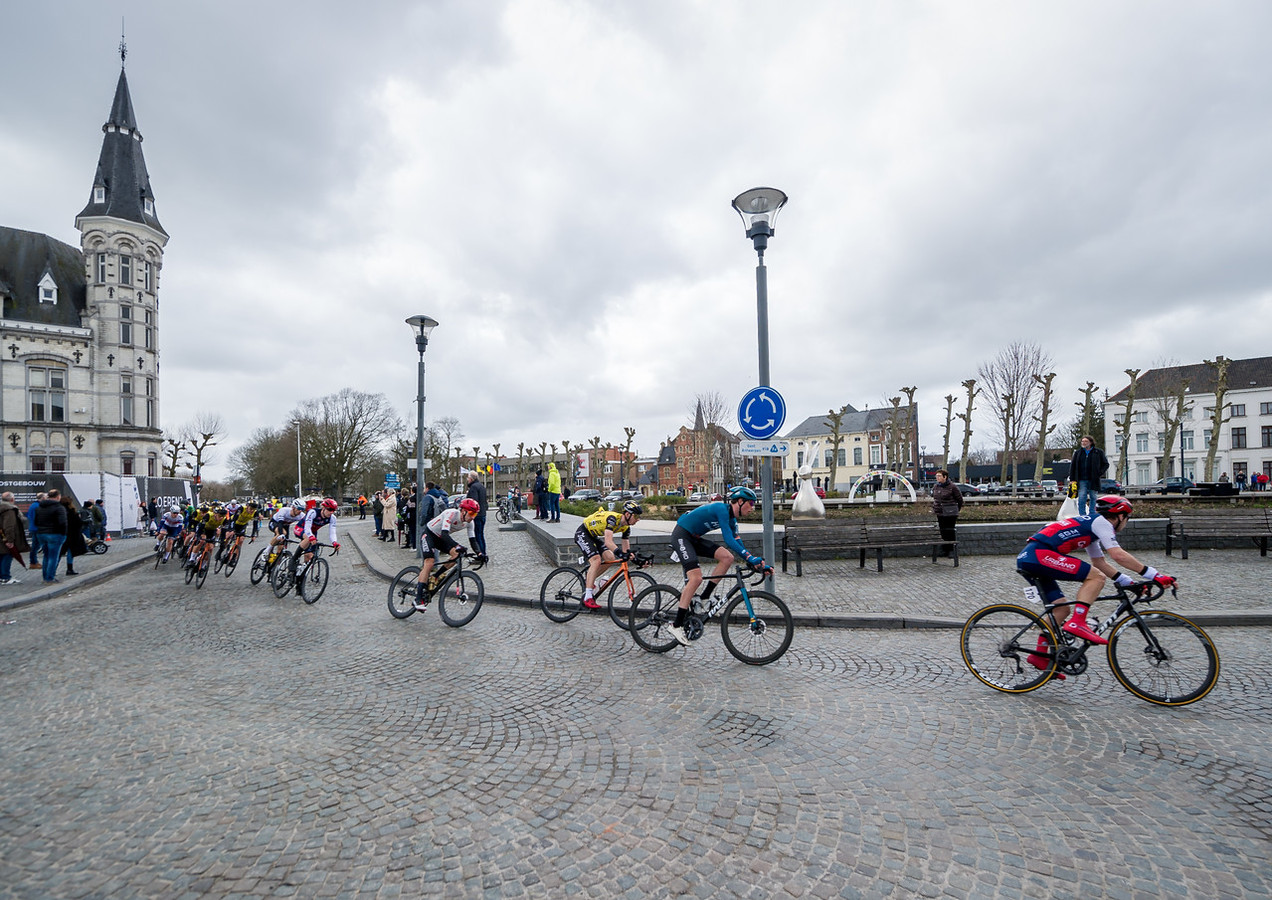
(1112, 505)
(468, 504)
(330, 505)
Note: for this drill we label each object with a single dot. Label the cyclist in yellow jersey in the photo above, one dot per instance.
(595, 539)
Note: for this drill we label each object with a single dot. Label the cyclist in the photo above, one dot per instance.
(208, 528)
(1045, 559)
(239, 522)
(279, 522)
(595, 538)
(323, 513)
(171, 524)
(437, 539)
(688, 542)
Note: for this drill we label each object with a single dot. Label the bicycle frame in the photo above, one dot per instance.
(721, 598)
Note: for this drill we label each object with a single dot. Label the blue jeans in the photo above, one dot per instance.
(51, 546)
(6, 567)
(554, 506)
(479, 533)
(1086, 497)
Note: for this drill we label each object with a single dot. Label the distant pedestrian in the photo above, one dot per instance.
(1086, 469)
(30, 514)
(388, 526)
(947, 503)
(74, 545)
(1241, 481)
(377, 511)
(99, 520)
(554, 494)
(477, 491)
(362, 507)
(13, 539)
(50, 531)
(540, 495)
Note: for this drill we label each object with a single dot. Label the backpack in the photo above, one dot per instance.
(428, 508)
(85, 516)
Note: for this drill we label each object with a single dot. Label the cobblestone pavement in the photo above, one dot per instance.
(90, 568)
(167, 742)
(1210, 580)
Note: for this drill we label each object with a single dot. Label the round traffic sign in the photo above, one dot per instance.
(761, 413)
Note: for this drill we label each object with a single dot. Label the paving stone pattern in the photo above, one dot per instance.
(163, 741)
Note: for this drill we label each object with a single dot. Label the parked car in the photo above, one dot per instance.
(674, 492)
(698, 497)
(586, 495)
(1174, 484)
(1050, 487)
(968, 490)
(1111, 486)
(1028, 486)
(821, 492)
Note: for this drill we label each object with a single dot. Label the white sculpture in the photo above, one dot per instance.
(807, 504)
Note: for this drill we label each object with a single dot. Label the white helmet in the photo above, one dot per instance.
(174, 508)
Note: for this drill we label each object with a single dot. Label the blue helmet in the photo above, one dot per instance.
(742, 493)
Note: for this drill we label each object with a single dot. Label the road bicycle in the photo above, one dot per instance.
(197, 564)
(1158, 656)
(756, 626)
(309, 578)
(561, 594)
(232, 552)
(506, 512)
(457, 587)
(263, 566)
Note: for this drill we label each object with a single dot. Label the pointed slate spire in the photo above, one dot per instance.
(698, 422)
(121, 185)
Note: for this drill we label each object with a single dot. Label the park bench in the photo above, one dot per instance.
(1189, 525)
(840, 537)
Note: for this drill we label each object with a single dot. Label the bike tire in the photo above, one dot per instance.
(640, 581)
(231, 563)
(561, 594)
(282, 579)
(313, 581)
(260, 568)
(996, 643)
(189, 571)
(1168, 660)
(402, 592)
(460, 598)
(764, 640)
(159, 556)
(501, 517)
(650, 618)
(202, 574)
(220, 563)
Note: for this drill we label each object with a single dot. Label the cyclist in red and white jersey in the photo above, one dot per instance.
(307, 529)
(436, 538)
(1045, 559)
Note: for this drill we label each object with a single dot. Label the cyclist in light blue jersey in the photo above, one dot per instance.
(687, 539)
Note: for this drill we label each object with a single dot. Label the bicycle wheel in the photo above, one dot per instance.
(231, 563)
(260, 568)
(1009, 648)
(459, 599)
(190, 566)
(561, 595)
(640, 581)
(282, 578)
(758, 641)
(402, 592)
(159, 556)
(220, 559)
(502, 516)
(1167, 660)
(650, 618)
(313, 581)
(204, 564)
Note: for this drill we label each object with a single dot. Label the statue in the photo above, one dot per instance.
(807, 504)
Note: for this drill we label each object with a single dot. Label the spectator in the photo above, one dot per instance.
(540, 495)
(947, 503)
(409, 520)
(477, 491)
(35, 544)
(75, 545)
(388, 527)
(1241, 481)
(554, 494)
(84, 516)
(50, 532)
(13, 539)
(377, 512)
(99, 520)
(152, 514)
(1086, 469)
(362, 507)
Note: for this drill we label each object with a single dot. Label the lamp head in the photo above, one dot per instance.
(422, 325)
(758, 208)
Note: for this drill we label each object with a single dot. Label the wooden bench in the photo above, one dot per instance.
(834, 536)
(840, 537)
(1195, 525)
(911, 534)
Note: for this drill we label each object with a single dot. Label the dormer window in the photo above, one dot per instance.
(99, 194)
(150, 206)
(48, 290)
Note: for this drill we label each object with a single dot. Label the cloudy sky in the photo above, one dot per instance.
(551, 180)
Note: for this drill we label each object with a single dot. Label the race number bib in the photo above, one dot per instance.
(1032, 595)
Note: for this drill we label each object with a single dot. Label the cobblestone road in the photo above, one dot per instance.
(162, 741)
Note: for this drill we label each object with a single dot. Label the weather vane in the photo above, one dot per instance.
(123, 46)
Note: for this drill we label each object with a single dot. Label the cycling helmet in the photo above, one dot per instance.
(330, 505)
(468, 504)
(631, 506)
(742, 493)
(174, 508)
(1112, 505)
(298, 504)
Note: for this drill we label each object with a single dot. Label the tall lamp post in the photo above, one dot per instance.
(423, 326)
(758, 208)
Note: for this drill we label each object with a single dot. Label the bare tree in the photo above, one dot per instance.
(1217, 418)
(202, 434)
(342, 434)
(1088, 413)
(1124, 423)
(594, 466)
(630, 432)
(836, 420)
(267, 462)
(1044, 405)
(1173, 407)
(909, 446)
(949, 422)
(972, 390)
(174, 452)
(494, 474)
(891, 435)
(1009, 382)
(714, 409)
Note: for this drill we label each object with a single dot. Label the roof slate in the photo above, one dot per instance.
(24, 258)
(1243, 374)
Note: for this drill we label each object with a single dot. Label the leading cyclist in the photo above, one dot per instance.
(689, 544)
(595, 539)
(1045, 559)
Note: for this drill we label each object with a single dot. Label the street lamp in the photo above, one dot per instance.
(423, 326)
(758, 208)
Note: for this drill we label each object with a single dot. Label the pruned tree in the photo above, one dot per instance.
(342, 434)
(892, 438)
(1009, 383)
(1087, 420)
(836, 420)
(908, 446)
(630, 432)
(1173, 407)
(174, 453)
(494, 475)
(543, 457)
(949, 423)
(972, 390)
(1217, 418)
(1044, 413)
(1124, 423)
(201, 434)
